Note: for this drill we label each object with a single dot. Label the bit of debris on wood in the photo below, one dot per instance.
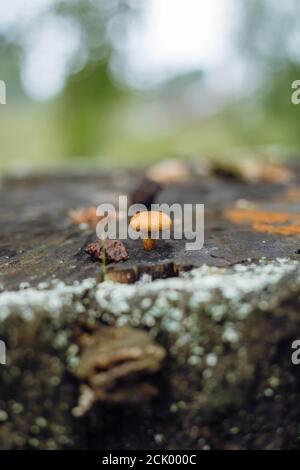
(254, 171)
(110, 251)
(85, 216)
(113, 367)
(168, 172)
(290, 195)
(145, 192)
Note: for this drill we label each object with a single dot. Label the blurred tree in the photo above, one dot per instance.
(266, 29)
(88, 103)
(82, 119)
(269, 43)
(10, 55)
(85, 110)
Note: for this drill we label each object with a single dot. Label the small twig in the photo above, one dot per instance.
(104, 272)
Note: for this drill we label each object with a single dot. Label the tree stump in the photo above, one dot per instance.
(225, 317)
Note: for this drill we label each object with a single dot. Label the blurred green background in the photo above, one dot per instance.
(127, 82)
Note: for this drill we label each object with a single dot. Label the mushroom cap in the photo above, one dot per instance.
(150, 220)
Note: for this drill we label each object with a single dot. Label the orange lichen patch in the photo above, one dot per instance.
(281, 223)
(286, 230)
(241, 216)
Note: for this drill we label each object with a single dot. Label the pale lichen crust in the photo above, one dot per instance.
(178, 306)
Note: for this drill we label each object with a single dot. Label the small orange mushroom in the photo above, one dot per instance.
(150, 222)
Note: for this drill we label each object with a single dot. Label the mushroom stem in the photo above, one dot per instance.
(149, 244)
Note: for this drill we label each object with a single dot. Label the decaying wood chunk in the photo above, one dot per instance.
(108, 251)
(114, 365)
(85, 216)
